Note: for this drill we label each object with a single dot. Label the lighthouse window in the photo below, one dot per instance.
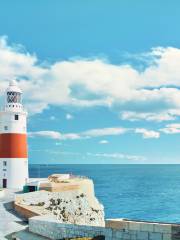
(5, 127)
(13, 97)
(16, 117)
(4, 163)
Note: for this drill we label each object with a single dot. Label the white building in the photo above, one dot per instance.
(13, 140)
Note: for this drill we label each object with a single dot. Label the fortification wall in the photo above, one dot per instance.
(50, 228)
(116, 229)
(127, 230)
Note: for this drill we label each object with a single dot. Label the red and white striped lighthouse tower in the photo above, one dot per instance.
(13, 140)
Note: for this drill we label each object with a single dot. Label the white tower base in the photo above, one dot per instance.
(11, 178)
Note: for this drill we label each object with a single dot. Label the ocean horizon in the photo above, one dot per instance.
(149, 192)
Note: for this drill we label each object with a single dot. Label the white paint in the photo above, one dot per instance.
(36, 181)
(16, 169)
(8, 124)
(16, 172)
(2, 193)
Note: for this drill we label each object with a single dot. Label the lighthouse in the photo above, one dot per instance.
(13, 140)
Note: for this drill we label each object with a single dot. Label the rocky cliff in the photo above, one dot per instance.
(76, 207)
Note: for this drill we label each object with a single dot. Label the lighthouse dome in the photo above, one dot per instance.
(13, 83)
(13, 98)
(13, 87)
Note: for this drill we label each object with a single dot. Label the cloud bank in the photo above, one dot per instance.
(94, 133)
(151, 94)
(173, 128)
(147, 133)
(82, 135)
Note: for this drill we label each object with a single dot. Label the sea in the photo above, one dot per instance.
(136, 192)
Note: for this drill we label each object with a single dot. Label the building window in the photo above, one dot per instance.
(4, 163)
(6, 128)
(16, 117)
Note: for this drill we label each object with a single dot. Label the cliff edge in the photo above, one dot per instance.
(78, 206)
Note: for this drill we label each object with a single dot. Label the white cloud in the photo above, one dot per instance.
(147, 133)
(93, 133)
(118, 156)
(151, 94)
(158, 117)
(71, 136)
(55, 135)
(105, 156)
(104, 132)
(82, 135)
(69, 116)
(172, 128)
(47, 134)
(103, 142)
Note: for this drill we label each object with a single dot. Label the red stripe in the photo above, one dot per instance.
(13, 145)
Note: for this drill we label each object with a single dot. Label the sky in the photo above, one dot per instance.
(101, 78)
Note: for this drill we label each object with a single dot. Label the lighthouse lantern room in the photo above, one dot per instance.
(13, 140)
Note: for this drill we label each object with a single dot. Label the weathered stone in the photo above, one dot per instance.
(133, 237)
(118, 234)
(117, 224)
(175, 231)
(162, 228)
(67, 207)
(134, 226)
(107, 232)
(126, 236)
(167, 236)
(155, 236)
(142, 235)
(146, 227)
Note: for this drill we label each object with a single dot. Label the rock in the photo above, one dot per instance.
(74, 207)
(58, 178)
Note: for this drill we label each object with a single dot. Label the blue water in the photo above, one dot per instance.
(143, 192)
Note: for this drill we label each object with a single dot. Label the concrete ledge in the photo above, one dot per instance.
(26, 235)
(25, 211)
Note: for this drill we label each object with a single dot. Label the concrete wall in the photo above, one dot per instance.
(116, 229)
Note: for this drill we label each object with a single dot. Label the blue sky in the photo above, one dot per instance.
(101, 79)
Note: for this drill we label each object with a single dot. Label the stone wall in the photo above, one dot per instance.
(116, 229)
(50, 228)
(134, 230)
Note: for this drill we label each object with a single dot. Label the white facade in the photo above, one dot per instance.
(13, 133)
(15, 171)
